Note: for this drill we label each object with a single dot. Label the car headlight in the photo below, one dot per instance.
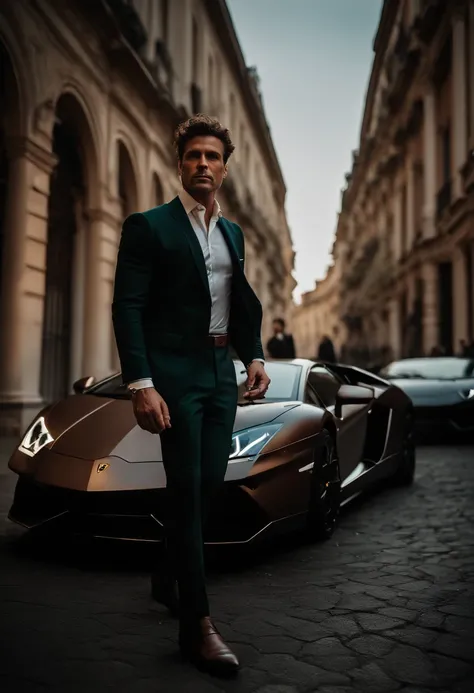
(250, 441)
(35, 438)
(467, 394)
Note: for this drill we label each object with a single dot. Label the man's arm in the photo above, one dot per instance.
(257, 348)
(257, 379)
(131, 292)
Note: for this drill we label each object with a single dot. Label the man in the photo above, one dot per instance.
(326, 350)
(281, 345)
(180, 298)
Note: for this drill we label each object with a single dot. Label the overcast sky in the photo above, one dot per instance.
(314, 59)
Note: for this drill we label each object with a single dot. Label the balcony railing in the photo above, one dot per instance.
(443, 198)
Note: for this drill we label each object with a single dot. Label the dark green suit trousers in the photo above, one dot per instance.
(195, 455)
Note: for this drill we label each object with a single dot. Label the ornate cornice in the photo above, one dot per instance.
(225, 32)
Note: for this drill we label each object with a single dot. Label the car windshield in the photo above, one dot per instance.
(284, 384)
(438, 368)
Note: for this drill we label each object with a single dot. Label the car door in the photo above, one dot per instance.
(352, 424)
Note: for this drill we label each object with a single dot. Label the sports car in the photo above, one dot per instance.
(319, 438)
(441, 389)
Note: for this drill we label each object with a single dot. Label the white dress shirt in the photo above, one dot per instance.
(218, 266)
(216, 257)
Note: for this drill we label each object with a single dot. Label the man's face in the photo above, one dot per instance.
(202, 167)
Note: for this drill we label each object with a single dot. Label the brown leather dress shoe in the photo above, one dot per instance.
(204, 647)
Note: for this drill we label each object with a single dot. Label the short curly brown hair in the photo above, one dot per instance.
(201, 125)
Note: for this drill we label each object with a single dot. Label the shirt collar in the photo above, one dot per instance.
(190, 204)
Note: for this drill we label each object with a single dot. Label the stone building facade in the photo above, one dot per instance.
(318, 315)
(91, 92)
(405, 234)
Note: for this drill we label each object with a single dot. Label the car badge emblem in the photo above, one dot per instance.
(102, 467)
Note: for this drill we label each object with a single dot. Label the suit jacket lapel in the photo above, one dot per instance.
(182, 221)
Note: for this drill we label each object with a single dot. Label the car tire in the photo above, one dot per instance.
(405, 472)
(325, 500)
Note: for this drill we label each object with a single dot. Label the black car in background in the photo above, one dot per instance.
(441, 389)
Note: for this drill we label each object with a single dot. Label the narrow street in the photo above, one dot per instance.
(386, 605)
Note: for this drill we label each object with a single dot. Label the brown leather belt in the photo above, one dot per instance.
(218, 340)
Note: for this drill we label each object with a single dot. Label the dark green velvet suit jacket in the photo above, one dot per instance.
(162, 303)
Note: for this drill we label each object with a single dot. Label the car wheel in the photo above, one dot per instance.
(323, 511)
(405, 473)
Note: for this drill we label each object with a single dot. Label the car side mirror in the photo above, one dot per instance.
(352, 394)
(81, 385)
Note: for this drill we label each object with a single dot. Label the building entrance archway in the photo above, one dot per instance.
(68, 193)
(9, 120)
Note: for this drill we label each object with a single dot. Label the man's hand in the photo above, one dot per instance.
(257, 381)
(151, 411)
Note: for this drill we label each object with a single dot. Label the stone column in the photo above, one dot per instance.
(398, 222)
(471, 74)
(14, 252)
(429, 163)
(410, 208)
(459, 103)
(151, 22)
(180, 47)
(395, 336)
(101, 252)
(460, 298)
(430, 307)
(78, 284)
(471, 289)
(22, 295)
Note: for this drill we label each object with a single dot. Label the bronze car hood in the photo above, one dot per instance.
(91, 428)
(261, 412)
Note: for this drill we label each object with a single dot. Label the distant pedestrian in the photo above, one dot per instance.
(326, 351)
(469, 350)
(465, 349)
(281, 345)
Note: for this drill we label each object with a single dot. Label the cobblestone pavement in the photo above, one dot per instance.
(386, 605)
